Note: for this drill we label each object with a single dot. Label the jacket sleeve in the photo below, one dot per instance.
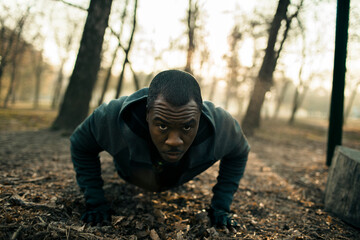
(99, 132)
(234, 149)
(85, 157)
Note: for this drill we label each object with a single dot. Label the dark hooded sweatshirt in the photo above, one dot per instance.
(120, 128)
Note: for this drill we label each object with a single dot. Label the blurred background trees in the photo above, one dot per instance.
(256, 60)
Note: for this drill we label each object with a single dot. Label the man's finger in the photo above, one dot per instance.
(232, 229)
(91, 219)
(107, 219)
(98, 217)
(222, 228)
(232, 222)
(84, 217)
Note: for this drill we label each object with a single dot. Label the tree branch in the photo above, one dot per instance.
(287, 28)
(72, 5)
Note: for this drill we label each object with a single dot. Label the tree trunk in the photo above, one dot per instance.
(1, 73)
(121, 79)
(105, 86)
(212, 89)
(37, 84)
(336, 118)
(350, 102)
(298, 100)
(10, 49)
(280, 99)
(108, 76)
(75, 106)
(17, 55)
(12, 84)
(58, 85)
(136, 79)
(264, 80)
(191, 23)
(233, 65)
(38, 69)
(16, 90)
(295, 106)
(342, 191)
(255, 105)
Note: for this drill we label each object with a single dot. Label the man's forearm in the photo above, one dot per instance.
(85, 156)
(88, 175)
(230, 173)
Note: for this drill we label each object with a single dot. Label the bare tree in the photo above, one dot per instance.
(213, 85)
(135, 77)
(10, 44)
(233, 64)
(281, 96)
(19, 49)
(75, 106)
(64, 47)
(192, 18)
(114, 55)
(127, 51)
(204, 59)
(302, 87)
(264, 79)
(354, 40)
(351, 101)
(38, 70)
(299, 96)
(17, 54)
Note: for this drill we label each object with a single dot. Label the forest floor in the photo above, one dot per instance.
(280, 196)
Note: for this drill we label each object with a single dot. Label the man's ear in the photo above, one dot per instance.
(147, 116)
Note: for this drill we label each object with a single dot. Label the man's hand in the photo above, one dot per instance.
(222, 219)
(97, 214)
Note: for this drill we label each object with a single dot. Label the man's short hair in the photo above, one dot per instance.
(177, 87)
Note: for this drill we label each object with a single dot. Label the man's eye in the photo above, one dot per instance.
(163, 127)
(187, 128)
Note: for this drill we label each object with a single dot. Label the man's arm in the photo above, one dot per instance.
(232, 148)
(99, 132)
(85, 156)
(231, 170)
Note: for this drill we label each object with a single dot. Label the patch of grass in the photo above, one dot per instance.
(25, 119)
(308, 131)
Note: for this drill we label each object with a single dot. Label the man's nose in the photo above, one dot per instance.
(174, 139)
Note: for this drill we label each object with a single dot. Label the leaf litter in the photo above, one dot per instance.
(280, 196)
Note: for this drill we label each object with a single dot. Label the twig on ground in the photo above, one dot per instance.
(16, 233)
(17, 200)
(65, 229)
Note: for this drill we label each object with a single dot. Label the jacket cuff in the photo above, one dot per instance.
(221, 201)
(95, 196)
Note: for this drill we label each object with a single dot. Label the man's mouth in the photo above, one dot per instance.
(173, 155)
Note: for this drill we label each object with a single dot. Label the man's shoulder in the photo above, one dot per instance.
(228, 132)
(116, 106)
(217, 115)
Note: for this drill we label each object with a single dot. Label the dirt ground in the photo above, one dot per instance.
(280, 196)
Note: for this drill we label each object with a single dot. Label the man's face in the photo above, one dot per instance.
(173, 129)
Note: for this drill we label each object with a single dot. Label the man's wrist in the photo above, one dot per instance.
(95, 196)
(220, 217)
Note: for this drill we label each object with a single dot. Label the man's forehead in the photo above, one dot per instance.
(166, 111)
(161, 104)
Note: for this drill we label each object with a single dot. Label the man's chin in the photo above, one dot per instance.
(172, 157)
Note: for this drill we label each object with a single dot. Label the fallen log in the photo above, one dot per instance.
(342, 193)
